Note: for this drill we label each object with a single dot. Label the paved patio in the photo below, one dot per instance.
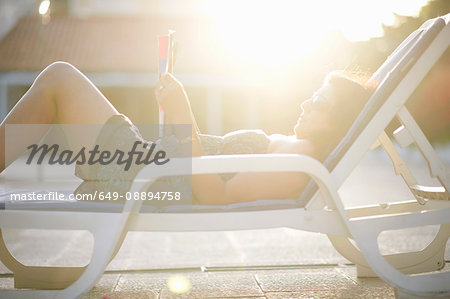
(273, 263)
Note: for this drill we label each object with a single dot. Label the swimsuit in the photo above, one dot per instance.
(118, 133)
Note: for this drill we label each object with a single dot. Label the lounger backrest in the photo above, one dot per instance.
(387, 77)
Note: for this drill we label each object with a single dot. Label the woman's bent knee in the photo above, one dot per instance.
(60, 68)
(56, 72)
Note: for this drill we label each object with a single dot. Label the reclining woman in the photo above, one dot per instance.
(62, 94)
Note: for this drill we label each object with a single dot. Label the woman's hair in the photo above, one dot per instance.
(351, 92)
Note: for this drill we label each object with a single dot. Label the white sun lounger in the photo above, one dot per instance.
(319, 209)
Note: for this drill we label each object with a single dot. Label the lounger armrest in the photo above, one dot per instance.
(244, 163)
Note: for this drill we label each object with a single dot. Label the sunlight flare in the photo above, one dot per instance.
(274, 33)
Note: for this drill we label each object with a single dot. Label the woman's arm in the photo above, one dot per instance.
(209, 188)
(250, 186)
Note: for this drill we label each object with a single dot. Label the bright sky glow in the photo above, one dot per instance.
(43, 7)
(364, 19)
(257, 30)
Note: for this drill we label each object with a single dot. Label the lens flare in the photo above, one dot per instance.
(178, 284)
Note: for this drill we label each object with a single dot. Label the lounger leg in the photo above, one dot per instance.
(106, 239)
(431, 258)
(366, 231)
(107, 235)
(37, 277)
(47, 278)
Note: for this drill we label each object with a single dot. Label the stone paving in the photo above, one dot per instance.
(302, 282)
(273, 263)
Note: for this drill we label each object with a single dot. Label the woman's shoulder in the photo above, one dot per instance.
(290, 145)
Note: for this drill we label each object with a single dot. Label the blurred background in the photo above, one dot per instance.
(245, 64)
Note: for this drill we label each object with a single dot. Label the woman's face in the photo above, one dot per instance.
(316, 114)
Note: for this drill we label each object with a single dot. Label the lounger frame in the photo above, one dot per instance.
(324, 212)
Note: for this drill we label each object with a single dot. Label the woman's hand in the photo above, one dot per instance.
(171, 95)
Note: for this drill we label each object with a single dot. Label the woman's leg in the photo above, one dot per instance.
(60, 94)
